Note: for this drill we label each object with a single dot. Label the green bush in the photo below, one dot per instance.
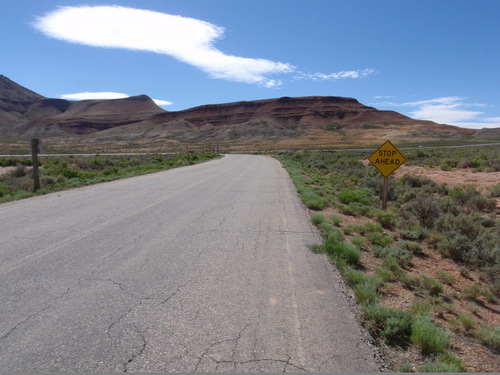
(410, 246)
(467, 321)
(366, 293)
(433, 286)
(446, 277)
(386, 218)
(331, 233)
(353, 276)
(400, 254)
(431, 338)
(423, 210)
(444, 362)
(495, 191)
(380, 239)
(362, 196)
(358, 241)
(392, 324)
(490, 336)
(344, 250)
(470, 199)
(318, 219)
(313, 200)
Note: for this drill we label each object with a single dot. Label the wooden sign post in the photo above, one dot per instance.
(386, 159)
(35, 149)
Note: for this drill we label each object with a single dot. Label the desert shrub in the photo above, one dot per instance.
(400, 254)
(445, 362)
(373, 227)
(490, 336)
(446, 277)
(19, 171)
(495, 191)
(384, 274)
(344, 250)
(470, 199)
(380, 239)
(467, 321)
(418, 181)
(353, 276)
(336, 220)
(414, 233)
(97, 163)
(473, 291)
(4, 190)
(331, 233)
(366, 293)
(386, 218)
(433, 286)
(313, 200)
(431, 338)
(318, 219)
(358, 241)
(347, 196)
(411, 246)
(392, 324)
(424, 209)
(466, 240)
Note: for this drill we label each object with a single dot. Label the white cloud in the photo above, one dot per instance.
(106, 95)
(450, 110)
(94, 95)
(162, 102)
(186, 39)
(353, 74)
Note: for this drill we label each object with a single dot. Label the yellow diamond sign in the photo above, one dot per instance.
(387, 159)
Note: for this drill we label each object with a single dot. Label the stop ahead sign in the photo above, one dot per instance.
(387, 159)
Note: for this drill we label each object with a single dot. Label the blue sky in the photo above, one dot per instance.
(428, 59)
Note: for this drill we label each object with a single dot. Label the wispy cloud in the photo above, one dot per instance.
(106, 95)
(353, 74)
(451, 110)
(189, 40)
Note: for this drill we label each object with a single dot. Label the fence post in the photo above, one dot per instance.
(34, 153)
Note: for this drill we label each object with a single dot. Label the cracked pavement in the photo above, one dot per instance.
(199, 269)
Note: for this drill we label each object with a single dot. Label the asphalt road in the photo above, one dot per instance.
(199, 269)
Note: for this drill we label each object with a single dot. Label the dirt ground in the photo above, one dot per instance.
(4, 170)
(483, 180)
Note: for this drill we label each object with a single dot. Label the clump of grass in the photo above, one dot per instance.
(445, 362)
(431, 338)
(490, 336)
(467, 321)
(446, 277)
(358, 241)
(392, 324)
(433, 286)
(344, 250)
(366, 293)
(386, 218)
(318, 219)
(473, 291)
(380, 239)
(353, 276)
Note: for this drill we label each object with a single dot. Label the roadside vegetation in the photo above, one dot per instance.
(66, 172)
(426, 271)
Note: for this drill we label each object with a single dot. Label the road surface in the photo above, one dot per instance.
(199, 269)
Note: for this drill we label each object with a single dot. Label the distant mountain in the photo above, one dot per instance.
(14, 100)
(282, 122)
